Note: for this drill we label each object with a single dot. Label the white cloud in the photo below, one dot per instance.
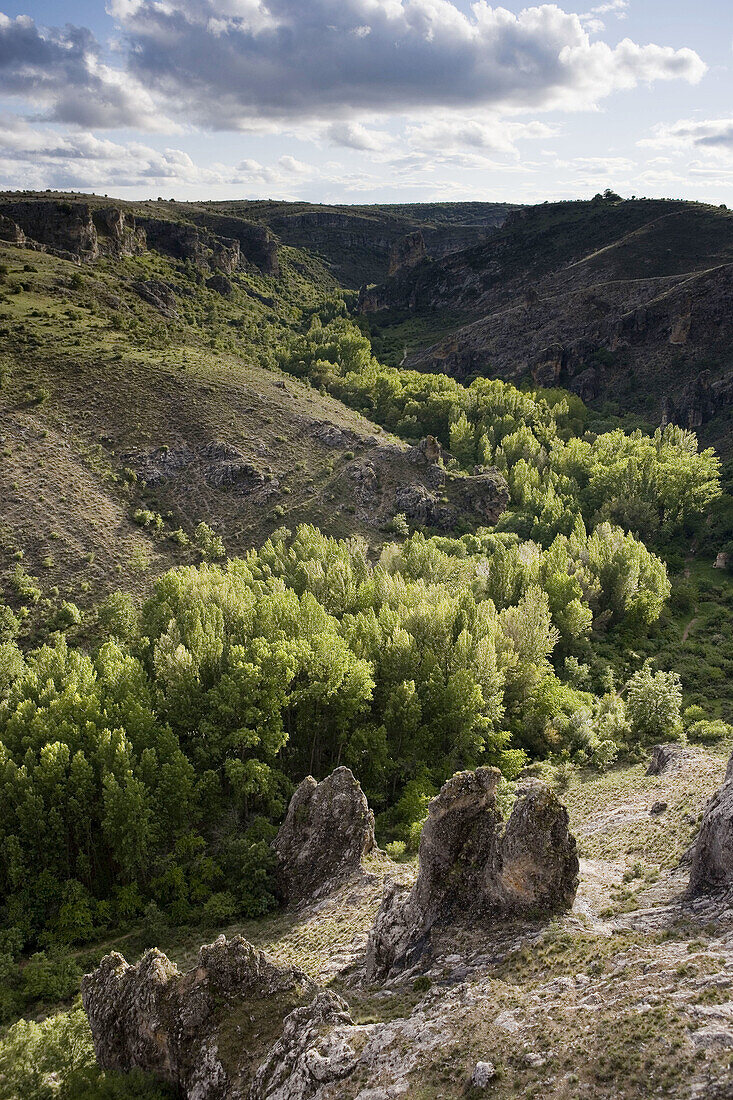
(493, 135)
(353, 135)
(32, 157)
(288, 60)
(706, 136)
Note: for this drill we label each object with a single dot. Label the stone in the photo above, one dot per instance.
(327, 831)
(483, 1074)
(205, 1032)
(158, 294)
(712, 852)
(313, 1050)
(665, 758)
(472, 869)
(658, 808)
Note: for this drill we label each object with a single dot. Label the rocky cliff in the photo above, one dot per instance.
(632, 302)
(84, 231)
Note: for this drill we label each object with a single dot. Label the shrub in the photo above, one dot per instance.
(51, 977)
(395, 849)
(208, 542)
(145, 518)
(25, 585)
(653, 703)
(68, 615)
(708, 731)
(398, 524)
(220, 908)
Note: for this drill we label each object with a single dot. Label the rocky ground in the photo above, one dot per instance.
(630, 994)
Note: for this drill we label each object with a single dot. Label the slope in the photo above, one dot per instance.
(625, 302)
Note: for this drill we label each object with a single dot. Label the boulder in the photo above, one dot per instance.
(471, 869)
(205, 1032)
(327, 830)
(159, 294)
(666, 758)
(712, 852)
(220, 284)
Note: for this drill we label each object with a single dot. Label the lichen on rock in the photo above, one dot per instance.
(327, 830)
(473, 870)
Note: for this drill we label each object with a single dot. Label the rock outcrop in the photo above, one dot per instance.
(73, 230)
(406, 252)
(327, 830)
(712, 851)
(471, 870)
(666, 758)
(205, 1032)
(315, 1049)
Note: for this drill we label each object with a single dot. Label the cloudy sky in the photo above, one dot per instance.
(367, 100)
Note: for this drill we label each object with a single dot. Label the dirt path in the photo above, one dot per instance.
(689, 626)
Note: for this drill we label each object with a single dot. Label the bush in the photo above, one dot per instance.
(68, 615)
(399, 525)
(395, 849)
(653, 703)
(24, 585)
(51, 977)
(220, 908)
(208, 542)
(708, 731)
(145, 518)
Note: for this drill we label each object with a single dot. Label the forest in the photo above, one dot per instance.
(147, 753)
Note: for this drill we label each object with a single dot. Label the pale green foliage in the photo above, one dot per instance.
(653, 703)
(644, 484)
(208, 542)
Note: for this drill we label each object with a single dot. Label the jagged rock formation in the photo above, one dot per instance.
(204, 1032)
(314, 1049)
(73, 230)
(86, 230)
(327, 830)
(665, 758)
(712, 851)
(470, 870)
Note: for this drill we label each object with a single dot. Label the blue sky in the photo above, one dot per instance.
(367, 100)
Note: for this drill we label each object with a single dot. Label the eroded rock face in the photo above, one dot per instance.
(470, 870)
(407, 251)
(205, 1032)
(315, 1049)
(666, 758)
(327, 830)
(712, 852)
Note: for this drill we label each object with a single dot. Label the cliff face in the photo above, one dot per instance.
(632, 303)
(70, 229)
(82, 231)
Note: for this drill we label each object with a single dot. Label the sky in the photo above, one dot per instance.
(361, 101)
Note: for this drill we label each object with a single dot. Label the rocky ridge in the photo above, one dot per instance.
(596, 301)
(85, 231)
(327, 831)
(471, 870)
